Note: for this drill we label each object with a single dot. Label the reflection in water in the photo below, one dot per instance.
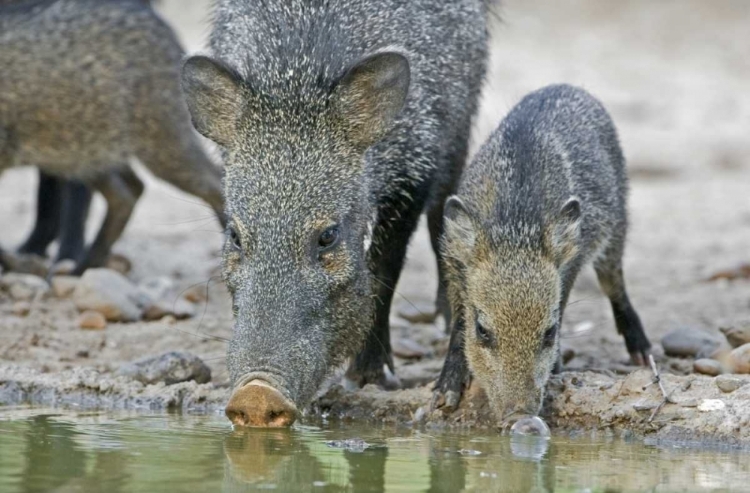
(114, 452)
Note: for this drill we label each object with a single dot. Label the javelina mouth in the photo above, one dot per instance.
(256, 401)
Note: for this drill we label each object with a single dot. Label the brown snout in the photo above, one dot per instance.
(259, 404)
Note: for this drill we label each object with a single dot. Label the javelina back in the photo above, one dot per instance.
(87, 86)
(342, 120)
(545, 194)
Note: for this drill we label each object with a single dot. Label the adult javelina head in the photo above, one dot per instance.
(509, 282)
(295, 258)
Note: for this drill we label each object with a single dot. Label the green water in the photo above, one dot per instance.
(60, 451)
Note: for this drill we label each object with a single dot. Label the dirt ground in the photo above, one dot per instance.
(674, 76)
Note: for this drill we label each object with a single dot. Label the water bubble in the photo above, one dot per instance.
(530, 426)
(529, 438)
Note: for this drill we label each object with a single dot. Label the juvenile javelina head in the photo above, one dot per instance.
(510, 289)
(295, 258)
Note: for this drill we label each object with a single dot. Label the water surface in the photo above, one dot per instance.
(60, 451)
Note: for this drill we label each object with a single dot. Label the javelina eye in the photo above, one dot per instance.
(483, 335)
(548, 339)
(235, 239)
(328, 238)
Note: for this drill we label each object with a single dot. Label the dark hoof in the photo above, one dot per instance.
(447, 402)
(639, 358)
(383, 378)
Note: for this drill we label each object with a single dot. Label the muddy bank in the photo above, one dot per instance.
(578, 402)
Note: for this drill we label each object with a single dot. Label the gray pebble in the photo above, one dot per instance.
(728, 383)
(689, 343)
(708, 367)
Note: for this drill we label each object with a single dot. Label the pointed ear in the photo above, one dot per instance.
(460, 234)
(563, 235)
(213, 93)
(370, 96)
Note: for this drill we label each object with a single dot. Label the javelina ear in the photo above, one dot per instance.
(370, 96)
(460, 235)
(562, 236)
(213, 93)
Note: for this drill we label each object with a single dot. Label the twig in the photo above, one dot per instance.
(657, 380)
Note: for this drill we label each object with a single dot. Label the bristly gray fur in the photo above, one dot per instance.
(545, 194)
(291, 167)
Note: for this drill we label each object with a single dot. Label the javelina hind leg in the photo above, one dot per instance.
(569, 278)
(75, 210)
(387, 255)
(47, 223)
(121, 190)
(455, 375)
(609, 271)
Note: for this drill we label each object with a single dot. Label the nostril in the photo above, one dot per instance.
(279, 418)
(237, 417)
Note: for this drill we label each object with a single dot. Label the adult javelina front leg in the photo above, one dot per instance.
(337, 118)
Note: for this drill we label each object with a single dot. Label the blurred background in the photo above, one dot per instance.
(675, 76)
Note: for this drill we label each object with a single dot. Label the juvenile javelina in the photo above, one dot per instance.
(341, 120)
(85, 87)
(545, 194)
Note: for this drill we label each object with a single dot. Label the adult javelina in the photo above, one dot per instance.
(85, 87)
(338, 117)
(544, 195)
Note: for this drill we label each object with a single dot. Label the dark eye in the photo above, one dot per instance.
(235, 239)
(483, 335)
(548, 339)
(328, 238)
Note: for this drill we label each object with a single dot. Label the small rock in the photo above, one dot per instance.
(63, 286)
(708, 367)
(170, 368)
(91, 320)
(82, 353)
(689, 343)
(196, 294)
(179, 309)
(708, 405)
(21, 308)
(156, 288)
(737, 336)
(469, 452)
(418, 313)
(119, 263)
(109, 293)
(740, 359)
(356, 445)
(728, 383)
(63, 267)
(408, 349)
(23, 287)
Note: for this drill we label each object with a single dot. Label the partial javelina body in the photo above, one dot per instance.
(545, 195)
(338, 118)
(85, 87)
(61, 210)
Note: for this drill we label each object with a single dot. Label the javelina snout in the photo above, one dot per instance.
(258, 403)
